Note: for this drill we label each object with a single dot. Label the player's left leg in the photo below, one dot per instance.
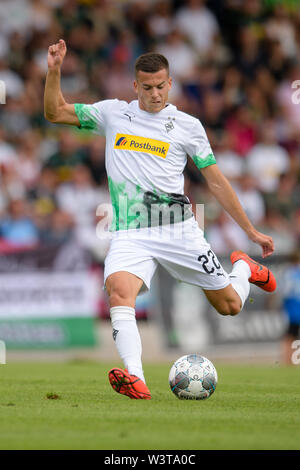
(128, 270)
(122, 288)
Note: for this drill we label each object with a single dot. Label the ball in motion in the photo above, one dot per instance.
(193, 377)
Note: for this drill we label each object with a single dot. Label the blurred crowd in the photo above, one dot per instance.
(235, 66)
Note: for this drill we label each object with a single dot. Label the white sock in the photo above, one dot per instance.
(127, 339)
(239, 278)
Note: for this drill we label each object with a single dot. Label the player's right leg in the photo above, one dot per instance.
(230, 300)
(260, 275)
(226, 301)
(122, 288)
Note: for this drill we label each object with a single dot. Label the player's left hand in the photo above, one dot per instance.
(265, 241)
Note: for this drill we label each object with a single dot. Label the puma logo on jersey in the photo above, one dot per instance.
(141, 144)
(129, 115)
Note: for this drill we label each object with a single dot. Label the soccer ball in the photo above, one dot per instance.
(193, 377)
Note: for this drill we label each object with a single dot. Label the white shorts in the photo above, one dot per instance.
(181, 249)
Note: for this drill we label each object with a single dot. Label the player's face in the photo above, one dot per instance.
(152, 90)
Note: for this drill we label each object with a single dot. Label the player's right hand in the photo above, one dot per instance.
(56, 54)
(265, 241)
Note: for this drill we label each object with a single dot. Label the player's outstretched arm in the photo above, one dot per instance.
(226, 196)
(55, 107)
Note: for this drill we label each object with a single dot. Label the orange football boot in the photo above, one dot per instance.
(129, 385)
(261, 276)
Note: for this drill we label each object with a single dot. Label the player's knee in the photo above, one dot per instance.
(119, 298)
(229, 308)
(117, 291)
(235, 309)
(120, 295)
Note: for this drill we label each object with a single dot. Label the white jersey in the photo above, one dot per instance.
(146, 154)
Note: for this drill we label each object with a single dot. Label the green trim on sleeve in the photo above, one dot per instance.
(86, 119)
(203, 162)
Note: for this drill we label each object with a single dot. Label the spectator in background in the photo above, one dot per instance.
(136, 15)
(13, 118)
(200, 26)
(14, 83)
(28, 165)
(252, 15)
(8, 153)
(203, 89)
(277, 62)
(213, 117)
(16, 15)
(126, 49)
(291, 306)
(120, 82)
(12, 186)
(242, 130)
(232, 87)
(17, 228)
(260, 95)
(289, 110)
(277, 227)
(73, 78)
(16, 58)
(180, 55)
(69, 154)
(279, 27)
(267, 86)
(286, 198)
(67, 14)
(44, 192)
(231, 164)
(80, 198)
(95, 160)
(267, 160)
(250, 198)
(249, 56)
(33, 96)
(43, 201)
(234, 63)
(225, 235)
(59, 229)
(40, 15)
(161, 21)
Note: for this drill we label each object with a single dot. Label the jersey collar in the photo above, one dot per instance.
(134, 105)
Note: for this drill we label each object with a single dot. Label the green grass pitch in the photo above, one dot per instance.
(72, 406)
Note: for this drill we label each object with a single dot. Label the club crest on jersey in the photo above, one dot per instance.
(141, 144)
(169, 126)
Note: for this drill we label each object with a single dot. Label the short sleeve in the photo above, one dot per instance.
(94, 116)
(198, 147)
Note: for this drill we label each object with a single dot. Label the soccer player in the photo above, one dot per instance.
(147, 145)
